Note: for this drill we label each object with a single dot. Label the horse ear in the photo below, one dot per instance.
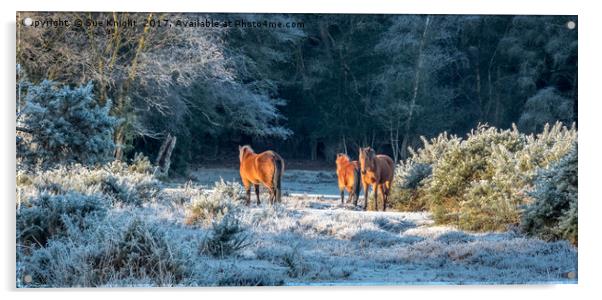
(371, 152)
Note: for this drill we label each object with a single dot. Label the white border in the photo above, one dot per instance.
(589, 145)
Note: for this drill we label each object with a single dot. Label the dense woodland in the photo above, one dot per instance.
(331, 84)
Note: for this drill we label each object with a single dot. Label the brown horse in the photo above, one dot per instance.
(266, 168)
(348, 173)
(377, 170)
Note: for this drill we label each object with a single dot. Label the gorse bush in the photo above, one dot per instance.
(468, 189)
(120, 183)
(220, 208)
(64, 125)
(206, 208)
(478, 183)
(116, 250)
(140, 164)
(227, 236)
(553, 213)
(413, 175)
(408, 179)
(229, 190)
(146, 250)
(47, 216)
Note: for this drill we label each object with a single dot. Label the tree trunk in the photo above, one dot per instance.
(313, 144)
(164, 157)
(121, 107)
(417, 73)
(119, 142)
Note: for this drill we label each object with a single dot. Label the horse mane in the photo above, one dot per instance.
(344, 155)
(244, 149)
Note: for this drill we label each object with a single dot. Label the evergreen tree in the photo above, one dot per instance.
(64, 125)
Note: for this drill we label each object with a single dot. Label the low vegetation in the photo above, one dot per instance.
(553, 214)
(119, 182)
(210, 207)
(481, 181)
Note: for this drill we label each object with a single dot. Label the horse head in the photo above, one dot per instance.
(341, 158)
(367, 156)
(242, 150)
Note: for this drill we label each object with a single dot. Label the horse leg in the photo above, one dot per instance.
(384, 195)
(375, 189)
(257, 193)
(387, 191)
(272, 196)
(248, 195)
(366, 187)
(342, 196)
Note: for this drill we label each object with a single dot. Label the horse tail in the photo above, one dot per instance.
(356, 182)
(276, 179)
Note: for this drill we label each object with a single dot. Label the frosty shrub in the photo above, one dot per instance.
(229, 190)
(480, 183)
(205, 208)
(227, 236)
(408, 180)
(64, 125)
(145, 250)
(117, 181)
(553, 214)
(295, 263)
(140, 164)
(249, 277)
(432, 150)
(413, 176)
(118, 250)
(48, 216)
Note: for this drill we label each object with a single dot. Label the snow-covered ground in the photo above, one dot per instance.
(313, 240)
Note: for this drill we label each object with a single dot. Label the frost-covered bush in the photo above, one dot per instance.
(295, 263)
(205, 208)
(117, 181)
(480, 183)
(553, 213)
(249, 277)
(64, 125)
(220, 208)
(140, 164)
(47, 216)
(147, 250)
(229, 190)
(227, 236)
(412, 176)
(432, 150)
(116, 251)
(408, 181)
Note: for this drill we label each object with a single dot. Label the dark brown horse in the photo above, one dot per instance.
(377, 171)
(348, 173)
(264, 168)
